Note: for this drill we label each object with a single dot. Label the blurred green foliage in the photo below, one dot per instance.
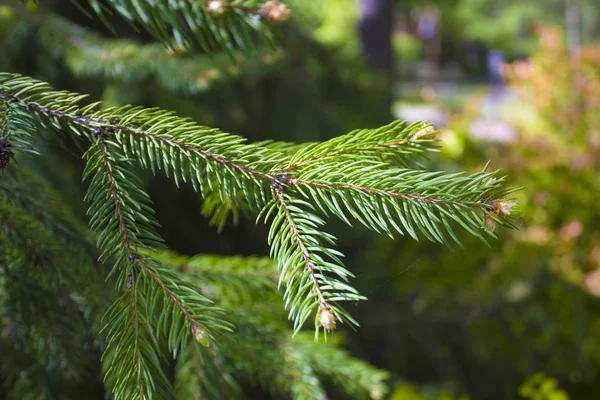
(507, 25)
(407, 391)
(491, 317)
(541, 387)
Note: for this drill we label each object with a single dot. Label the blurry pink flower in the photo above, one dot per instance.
(571, 231)
(490, 223)
(541, 198)
(595, 140)
(595, 256)
(536, 234)
(592, 282)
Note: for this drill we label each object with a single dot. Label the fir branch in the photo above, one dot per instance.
(365, 186)
(135, 371)
(396, 140)
(212, 26)
(36, 281)
(219, 211)
(114, 197)
(17, 130)
(129, 222)
(165, 142)
(90, 55)
(27, 191)
(305, 384)
(356, 378)
(201, 372)
(179, 309)
(230, 279)
(298, 244)
(298, 367)
(126, 225)
(412, 200)
(153, 125)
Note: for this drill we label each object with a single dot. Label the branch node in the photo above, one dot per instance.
(6, 154)
(133, 258)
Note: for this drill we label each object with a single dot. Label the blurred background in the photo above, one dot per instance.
(511, 81)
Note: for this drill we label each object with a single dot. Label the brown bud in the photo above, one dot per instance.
(216, 7)
(200, 335)
(503, 206)
(276, 11)
(423, 133)
(327, 319)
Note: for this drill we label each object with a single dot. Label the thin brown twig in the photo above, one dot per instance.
(127, 243)
(301, 246)
(134, 317)
(173, 297)
(264, 176)
(99, 123)
(113, 195)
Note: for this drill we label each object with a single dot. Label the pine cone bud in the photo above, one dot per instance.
(5, 153)
(200, 335)
(424, 132)
(327, 319)
(216, 7)
(276, 11)
(504, 207)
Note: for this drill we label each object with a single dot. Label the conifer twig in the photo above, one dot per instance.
(348, 176)
(300, 243)
(114, 198)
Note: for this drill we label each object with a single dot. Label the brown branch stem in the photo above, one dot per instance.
(99, 123)
(171, 295)
(271, 178)
(113, 195)
(301, 246)
(134, 317)
(127, 243)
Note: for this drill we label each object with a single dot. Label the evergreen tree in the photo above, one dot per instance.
(169, 326)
